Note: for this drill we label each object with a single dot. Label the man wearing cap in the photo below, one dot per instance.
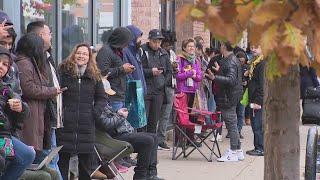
(110, 62)
(157, 71)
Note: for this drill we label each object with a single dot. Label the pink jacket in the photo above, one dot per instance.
(183, 75)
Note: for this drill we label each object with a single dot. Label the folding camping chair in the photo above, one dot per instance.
(183, 123)
(109, 149)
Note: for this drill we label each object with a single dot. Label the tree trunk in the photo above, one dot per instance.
(281, 117)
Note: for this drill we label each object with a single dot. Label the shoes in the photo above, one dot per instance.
(230, 156)
(155, 178)
(241, 137)
(198, 144)
(164, 146)
(240, 155)
(219, 138)
(123, 163)
(133, 162)
(121, 169)
(228, 135)
(99, 175)
(255, 152)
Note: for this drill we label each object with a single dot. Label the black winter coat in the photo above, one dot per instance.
(109, 61)
(308, 78)
(156, 59)
(112, 122)
(79, 101)
(229, 82)
(255, 85)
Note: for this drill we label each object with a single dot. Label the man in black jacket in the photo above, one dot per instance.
(157, 71)
(229, 82)
(145, 144)
(110, 62)
(255, 93)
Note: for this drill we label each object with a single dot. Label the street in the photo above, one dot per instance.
(196, 167)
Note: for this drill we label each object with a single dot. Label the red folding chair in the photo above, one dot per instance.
(183, 123)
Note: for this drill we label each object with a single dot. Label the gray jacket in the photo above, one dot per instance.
(113, 123)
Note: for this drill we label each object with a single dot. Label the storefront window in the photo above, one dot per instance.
(107, 17)
(34, 10)
(75, 24)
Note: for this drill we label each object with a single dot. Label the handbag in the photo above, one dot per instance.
(52, 111)
(7, 146)
(311, 106)
(135, 104)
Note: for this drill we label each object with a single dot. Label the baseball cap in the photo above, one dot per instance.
(155, 34)
(107, 87)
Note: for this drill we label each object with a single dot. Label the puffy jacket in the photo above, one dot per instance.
(183, 75)
(113, 123)
(229, 81)
(84, 94)
(155, 59)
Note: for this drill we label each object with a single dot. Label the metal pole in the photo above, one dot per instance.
(172, 17)
(164, 14)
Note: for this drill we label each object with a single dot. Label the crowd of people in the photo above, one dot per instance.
(52, 105)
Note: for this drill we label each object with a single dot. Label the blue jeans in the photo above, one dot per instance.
(240, 115)
(211, 107)
(116, 105)
(42, 154)
(24, 157)
(256, 124)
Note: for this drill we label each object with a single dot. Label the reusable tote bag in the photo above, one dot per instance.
(135, 104)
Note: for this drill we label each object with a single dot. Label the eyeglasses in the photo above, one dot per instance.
(190, 47)
(82, 54)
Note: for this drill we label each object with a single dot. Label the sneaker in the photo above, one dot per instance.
(123, 163)
(219, 138)
(240, 155)
(164, 146)
(121, 169)
(230, 156)
(155, 178)
(133, 162)
(255, 153)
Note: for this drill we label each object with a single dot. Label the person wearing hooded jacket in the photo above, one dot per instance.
(110, 62)
(16, 113)
(132, 55)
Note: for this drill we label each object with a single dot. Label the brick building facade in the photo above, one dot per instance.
(146, 15)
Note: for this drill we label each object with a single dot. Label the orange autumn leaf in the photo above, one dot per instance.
(269, 39)
(269, 12)
(244, 13)
(293, 38)
(228, 10)
(183, 14)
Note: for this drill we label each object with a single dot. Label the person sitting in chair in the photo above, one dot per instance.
(145, 144)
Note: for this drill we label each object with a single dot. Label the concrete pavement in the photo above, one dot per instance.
(195, 167)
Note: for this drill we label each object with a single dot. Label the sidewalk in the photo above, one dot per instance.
(196, 167)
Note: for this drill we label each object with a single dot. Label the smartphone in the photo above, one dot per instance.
(64, 89)
(160, 68)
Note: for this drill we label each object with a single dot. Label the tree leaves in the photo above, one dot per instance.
(272, 67)
(293, 38)
(280, 27)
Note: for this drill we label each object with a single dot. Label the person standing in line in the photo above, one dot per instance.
(229, 94)
(166, 108)
(157, 72)
(110, 62)
(255, 94)
(85, 91)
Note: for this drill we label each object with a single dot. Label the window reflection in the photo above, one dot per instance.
(106, 16)
(35, 10)
(75, 24)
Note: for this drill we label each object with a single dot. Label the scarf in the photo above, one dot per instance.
(191, 58)
(58, 98)
(253, 63)
(81, 69)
